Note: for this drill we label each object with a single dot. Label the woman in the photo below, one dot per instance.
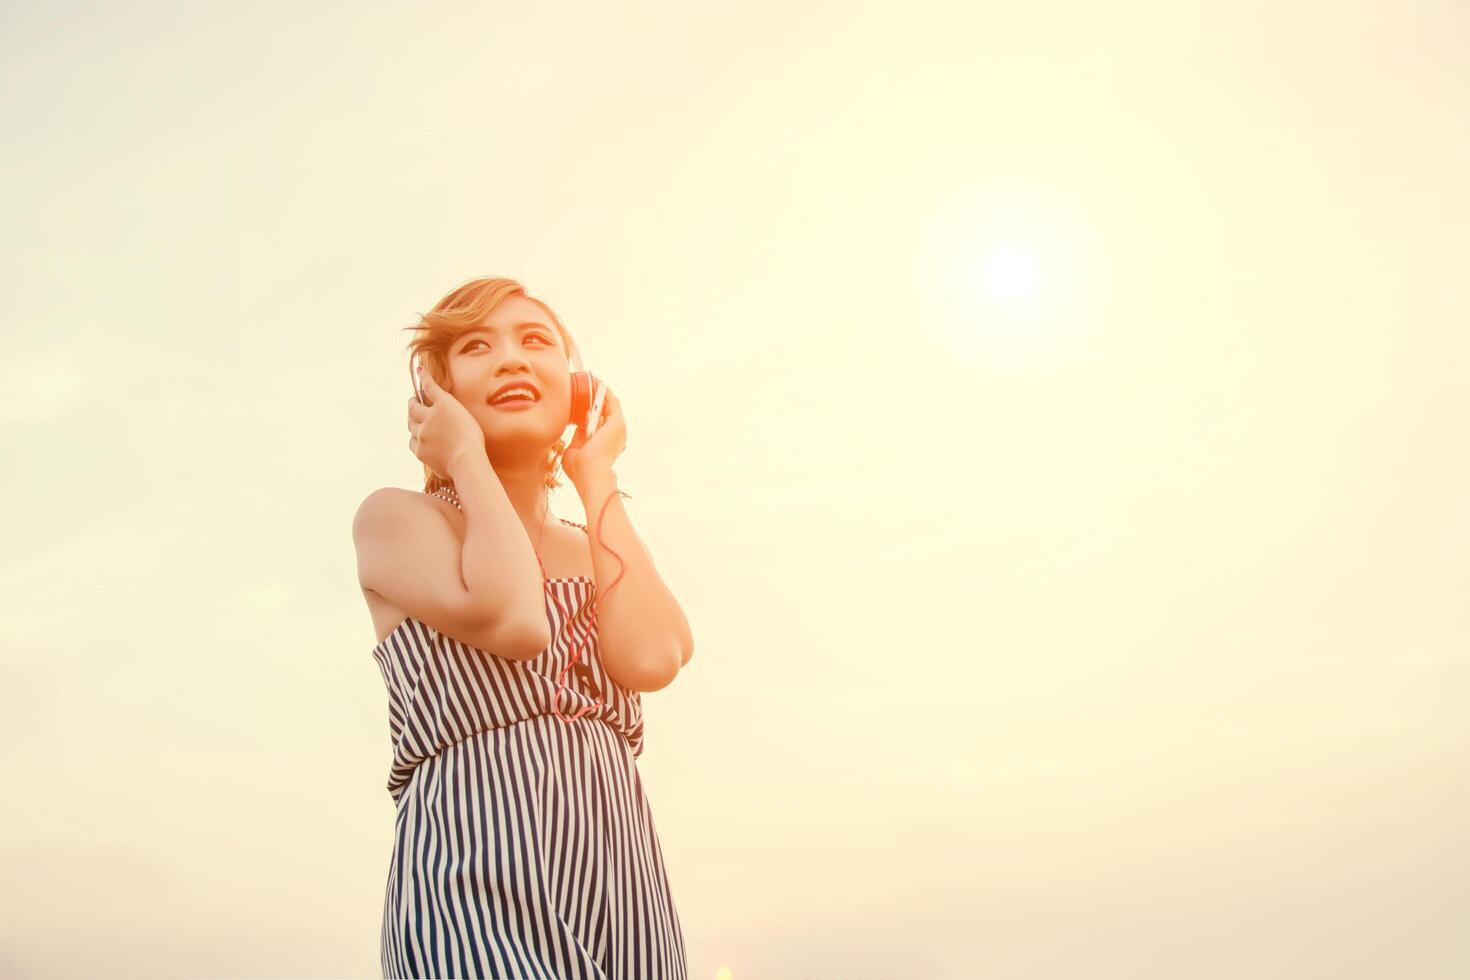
(523, 842)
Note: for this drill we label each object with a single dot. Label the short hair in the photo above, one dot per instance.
(462, 309)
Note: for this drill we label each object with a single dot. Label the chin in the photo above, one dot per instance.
(525, 445)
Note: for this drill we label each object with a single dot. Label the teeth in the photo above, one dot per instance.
(514, 393)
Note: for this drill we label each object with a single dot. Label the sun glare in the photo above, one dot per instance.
(1009, 278)
(1009, 273)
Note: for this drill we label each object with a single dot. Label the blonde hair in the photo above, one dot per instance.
(463, 309)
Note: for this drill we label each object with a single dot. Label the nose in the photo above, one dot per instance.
(513, 363)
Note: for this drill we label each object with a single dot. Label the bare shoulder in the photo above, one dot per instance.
(408, 566)
(387, 506)
(392, 496)
(390, 516)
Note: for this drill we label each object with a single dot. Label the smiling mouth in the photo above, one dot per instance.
(514, 403)
(521, 394)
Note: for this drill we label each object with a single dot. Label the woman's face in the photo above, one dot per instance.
(516, 343)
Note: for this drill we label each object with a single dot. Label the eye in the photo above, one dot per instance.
(535, 336)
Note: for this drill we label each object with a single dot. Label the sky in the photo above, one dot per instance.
(1050, 418)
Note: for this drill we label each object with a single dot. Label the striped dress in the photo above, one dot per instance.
(523, 844)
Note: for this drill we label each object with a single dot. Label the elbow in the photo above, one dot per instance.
(516, 640)
(654, 680)
(534, 639)
(660, 674)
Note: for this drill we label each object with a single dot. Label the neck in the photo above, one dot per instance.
(525, 487)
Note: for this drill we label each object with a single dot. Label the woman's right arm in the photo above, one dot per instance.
(485, 591)
(498, 560)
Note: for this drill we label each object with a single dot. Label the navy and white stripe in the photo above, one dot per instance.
(523, 844)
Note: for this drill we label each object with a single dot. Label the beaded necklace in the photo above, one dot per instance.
(447, 492)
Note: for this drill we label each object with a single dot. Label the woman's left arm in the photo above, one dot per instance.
(643, 633)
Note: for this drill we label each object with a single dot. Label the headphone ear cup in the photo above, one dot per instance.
(581, 397)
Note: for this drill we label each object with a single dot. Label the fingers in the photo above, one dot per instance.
(430, 387)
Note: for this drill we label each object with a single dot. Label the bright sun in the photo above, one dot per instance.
(1008, 277)
(1009, 274)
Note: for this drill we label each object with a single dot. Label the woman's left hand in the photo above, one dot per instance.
(586, 460)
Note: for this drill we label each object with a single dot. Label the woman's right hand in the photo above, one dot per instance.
(441, 430)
